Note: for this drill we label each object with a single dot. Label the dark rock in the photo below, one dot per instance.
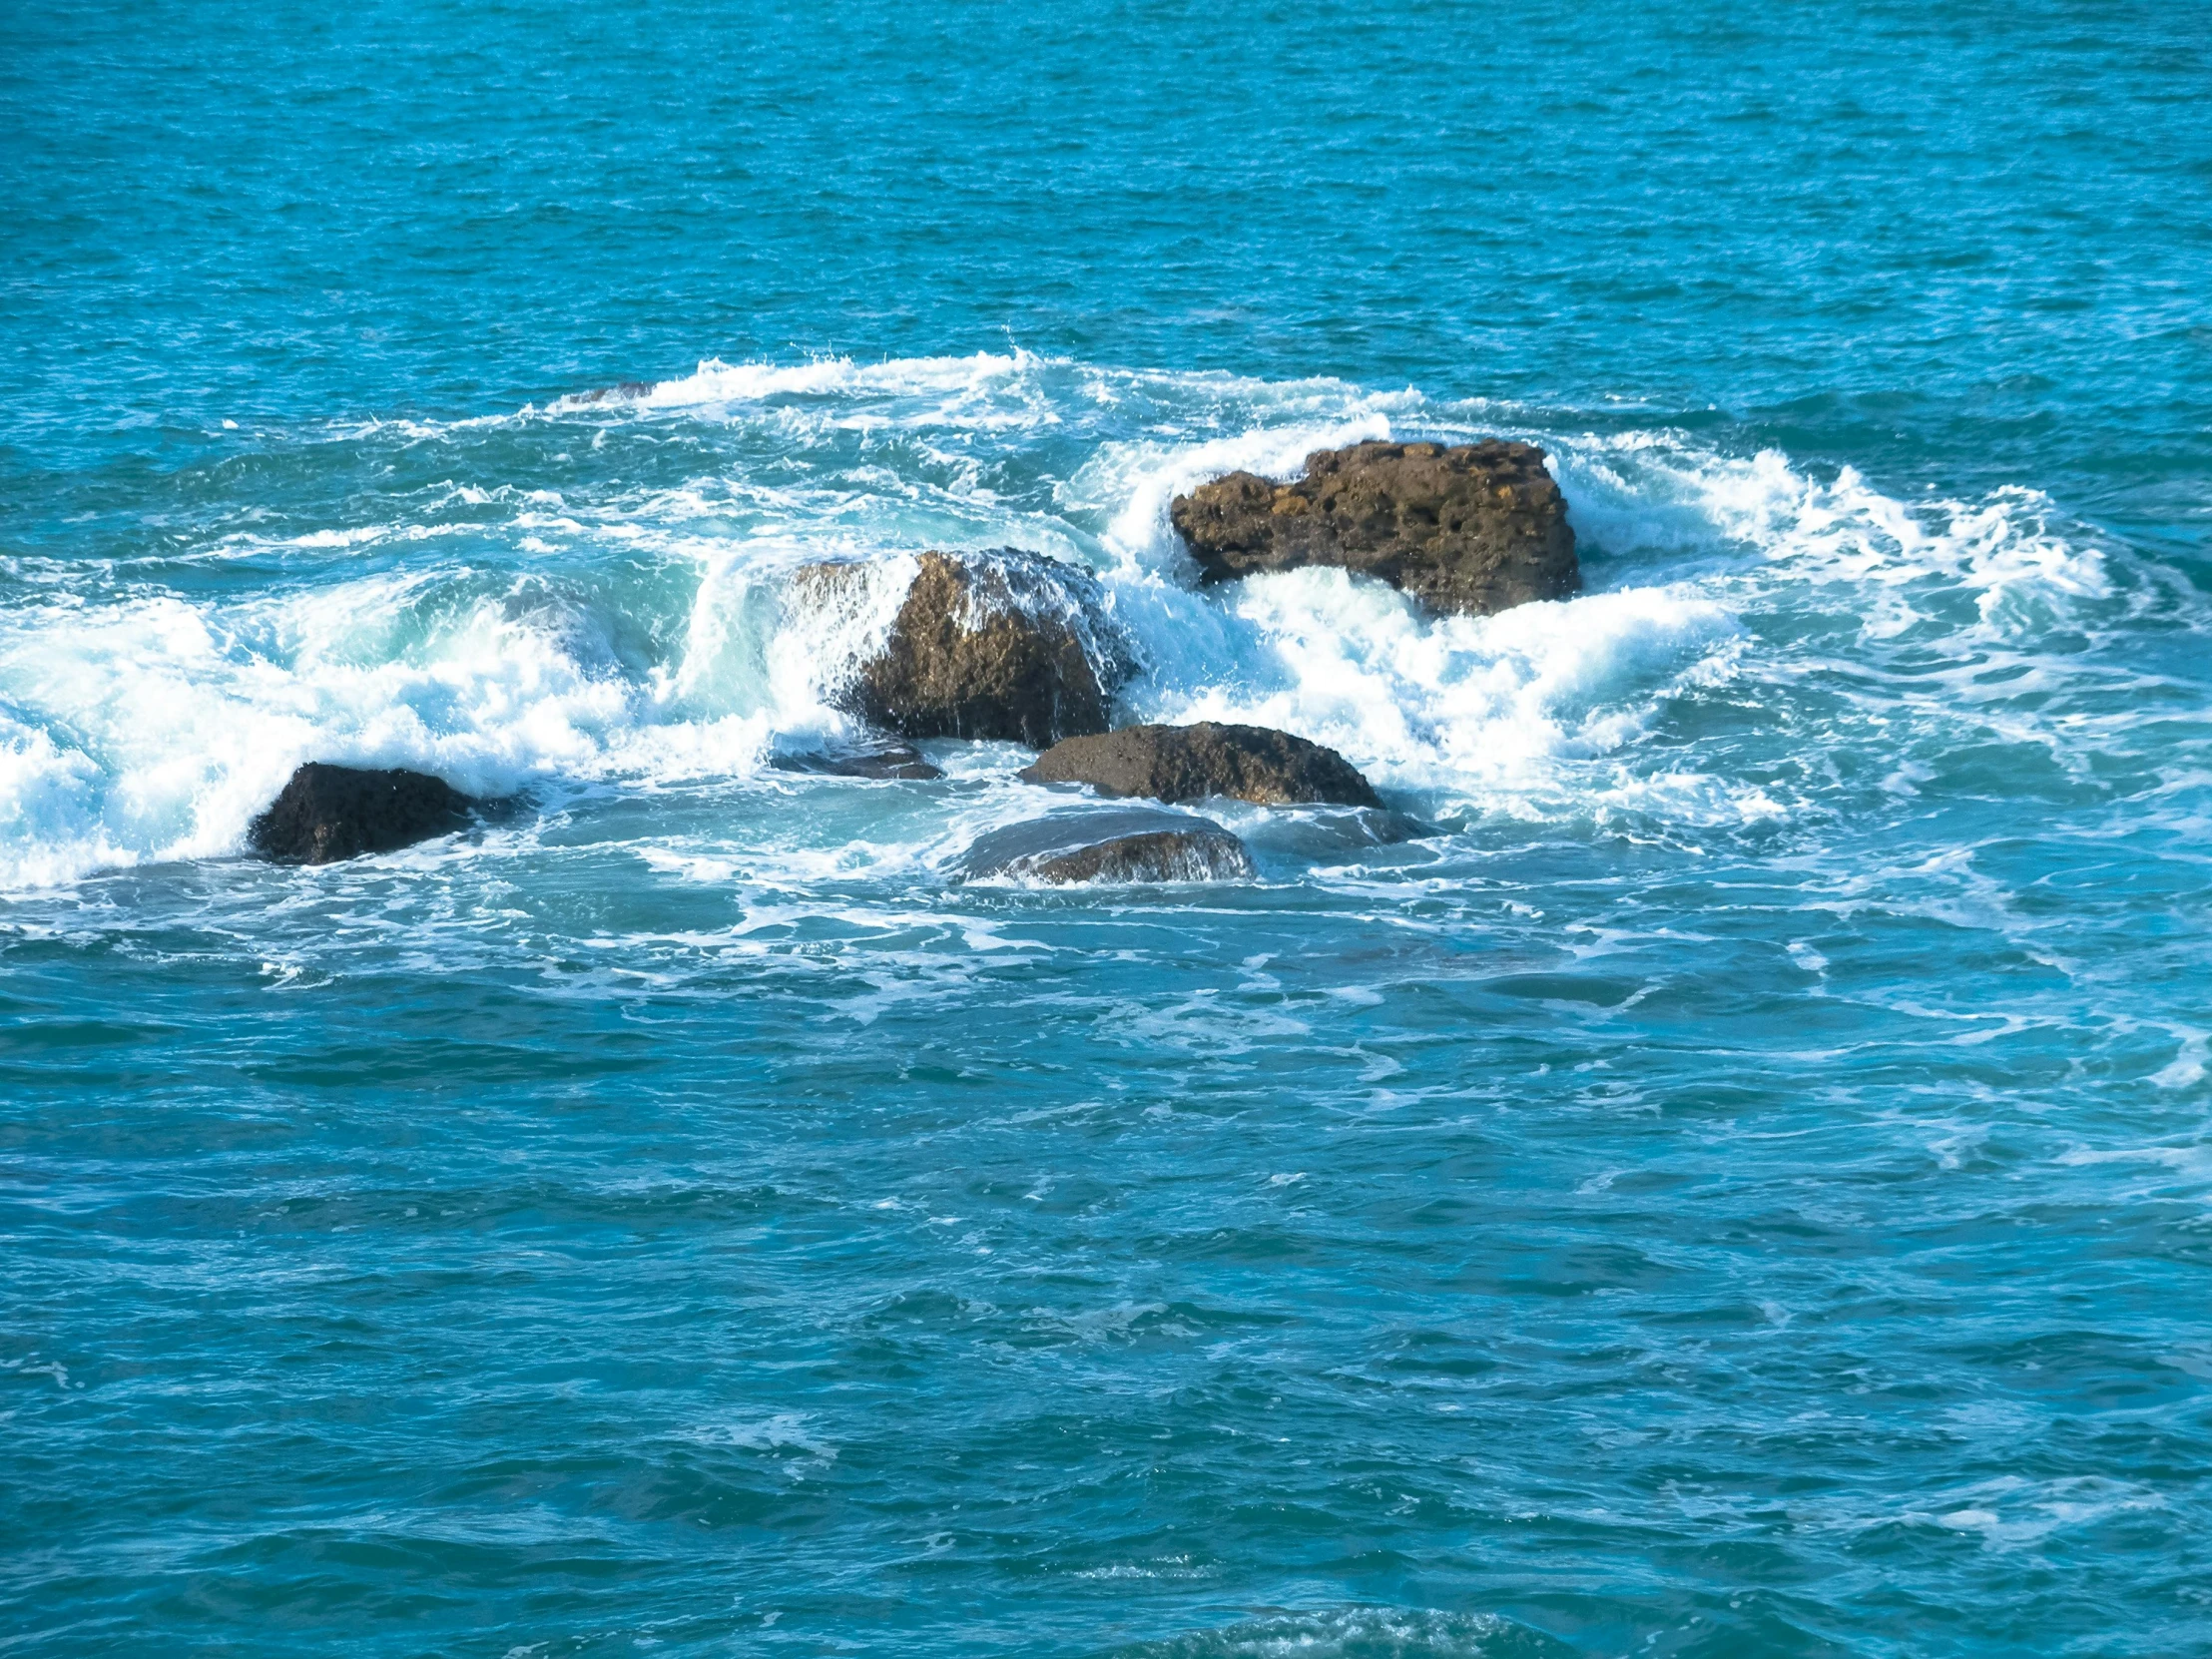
(900, 760)
(1189, 763)
(1125, 845)
(1150, 855)
(328, 813)
(1476, 527)
(1335, 832)
(1005, 645)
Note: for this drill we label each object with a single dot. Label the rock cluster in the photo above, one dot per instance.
(1191, 762)
(327, 812)
(1018, 647)
(1011, 646)
(1474, 527)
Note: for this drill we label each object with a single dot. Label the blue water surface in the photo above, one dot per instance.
(1739, 1186)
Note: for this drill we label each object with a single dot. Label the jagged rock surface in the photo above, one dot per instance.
(1474, 527)
(1191, 762)
(1006, 645)
(328, 813)
(1110, 847)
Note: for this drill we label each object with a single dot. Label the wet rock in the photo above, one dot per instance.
(327, 812)
(1329, 834)
(1474, 527)
(898, 759)
(1114, 847)
(1005, 645)
(1191, 762)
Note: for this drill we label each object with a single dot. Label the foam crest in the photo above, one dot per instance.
(1993, 569)
(715, 382)
(50, 829)
(829, 629)
(643, 623)
(188, 718)
(1490, 712)
(1352, 1633)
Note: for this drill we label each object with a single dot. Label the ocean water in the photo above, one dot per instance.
(1739, 1186)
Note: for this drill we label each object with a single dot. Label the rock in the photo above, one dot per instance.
(1005, 645)
(1475, 528)
(1151, 856)
(1189, 763)
(1330, 834)
(1114, 847)
(328, 813)
(900, 760)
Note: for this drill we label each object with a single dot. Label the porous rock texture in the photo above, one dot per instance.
(1191, 762)
(1005, 645)
(327, 812)
(1474, 528)
(1111, 846)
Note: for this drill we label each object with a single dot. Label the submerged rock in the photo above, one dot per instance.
(327, 812)
(1474, 527)
(898, 759)
(1191, 762)
(1330, 834)
(628, 391)
(1005, 645)
(1127, 845)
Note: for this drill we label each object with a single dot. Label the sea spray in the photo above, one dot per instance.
(612, 633)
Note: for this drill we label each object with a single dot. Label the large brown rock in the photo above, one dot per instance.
(1475, 527)
(327, 812)
(1119, 845)
(1005, 645)
(1191, 762)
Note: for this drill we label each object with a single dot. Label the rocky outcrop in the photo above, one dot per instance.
(1475, 527)
(1191, 762)
(327, 812)
(898, 759)
(1005, 645)
(1114, 847)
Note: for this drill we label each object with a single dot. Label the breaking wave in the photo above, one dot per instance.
(507, 624)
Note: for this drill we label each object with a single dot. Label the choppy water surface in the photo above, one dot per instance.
(1738, 1186)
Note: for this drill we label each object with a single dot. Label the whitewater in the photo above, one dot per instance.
(1783, 878)
(506, 627)
(1721, 1168)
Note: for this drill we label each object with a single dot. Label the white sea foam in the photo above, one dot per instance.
(184, 719)
(2009, 1513)
(787, 1432)
(1345, 1633)
(1902, 562)
(50, 811)
(715, 382)
(646, 633)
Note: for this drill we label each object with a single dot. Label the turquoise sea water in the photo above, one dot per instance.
(1741, 1187)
